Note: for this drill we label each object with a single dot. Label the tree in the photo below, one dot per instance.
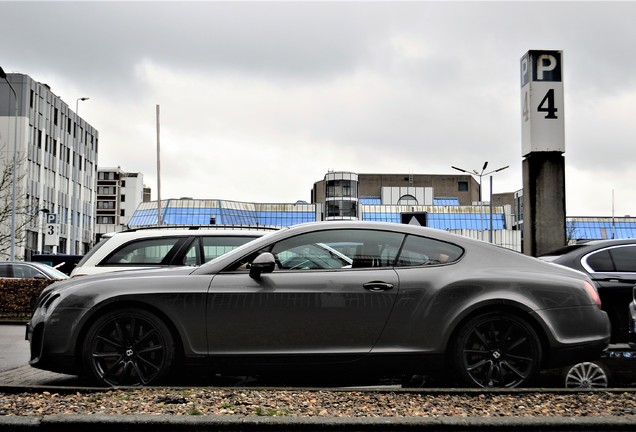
(570, 231)
(24, 215)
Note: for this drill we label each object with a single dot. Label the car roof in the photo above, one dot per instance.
(586, 247)
(187, 230)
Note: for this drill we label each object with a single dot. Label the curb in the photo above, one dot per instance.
(143, 423)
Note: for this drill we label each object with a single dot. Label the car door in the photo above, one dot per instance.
(613, 269)
(316, 302)
(424, 266)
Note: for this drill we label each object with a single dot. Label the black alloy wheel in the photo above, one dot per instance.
(497, 350)
(129, 347)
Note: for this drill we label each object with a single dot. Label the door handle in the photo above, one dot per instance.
(378, 286)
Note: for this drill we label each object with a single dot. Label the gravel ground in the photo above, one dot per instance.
(318, 403)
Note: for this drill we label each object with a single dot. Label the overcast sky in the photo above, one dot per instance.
(260, 99)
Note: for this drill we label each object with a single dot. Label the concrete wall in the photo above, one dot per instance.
(543, 202)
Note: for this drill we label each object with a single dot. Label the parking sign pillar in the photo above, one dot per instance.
(543, 146)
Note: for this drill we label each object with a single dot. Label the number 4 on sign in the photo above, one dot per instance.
(547, 105)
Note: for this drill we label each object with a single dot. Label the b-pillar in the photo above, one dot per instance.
(543, 146)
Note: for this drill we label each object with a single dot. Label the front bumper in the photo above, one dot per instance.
(52, 341)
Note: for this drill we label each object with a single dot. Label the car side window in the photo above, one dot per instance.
(145, 251)
(191, 257)
(26, 272)
(624, 258)
(5, 271)
(600, 261)
(418, 251)
(215, 246)
(338, 249)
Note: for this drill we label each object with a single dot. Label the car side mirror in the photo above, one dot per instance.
(264, 263)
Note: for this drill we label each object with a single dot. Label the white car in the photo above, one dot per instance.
(161, 247)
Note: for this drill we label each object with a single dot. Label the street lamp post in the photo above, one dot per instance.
(79, 224)
(480, 174)
(77, 104)
(15, 163)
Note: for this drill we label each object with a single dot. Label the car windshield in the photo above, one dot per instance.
(53, 272)
(93, 250)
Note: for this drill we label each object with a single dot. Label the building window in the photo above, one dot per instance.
(106, 190)
(105, 205)
(462, 186)
(342, 188)
(107, 220)
(407, 200)
(342, 209)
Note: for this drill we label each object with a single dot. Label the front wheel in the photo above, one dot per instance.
(496, 349)
(128, 347)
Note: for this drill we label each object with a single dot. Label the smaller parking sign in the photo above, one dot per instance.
(51, 230)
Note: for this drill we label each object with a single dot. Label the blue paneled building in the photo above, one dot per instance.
(446, 202)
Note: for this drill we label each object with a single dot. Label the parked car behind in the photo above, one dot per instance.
(405, 300)
(162, 247)
(62, 262)
(612, 266)
(29, 270)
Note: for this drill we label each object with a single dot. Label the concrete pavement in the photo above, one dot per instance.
(14, 349)
(143, 423)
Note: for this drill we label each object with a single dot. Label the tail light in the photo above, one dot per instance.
(593, 293)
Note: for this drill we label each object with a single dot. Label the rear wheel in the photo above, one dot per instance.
(496, 349)
(586, 375)
(128, 347)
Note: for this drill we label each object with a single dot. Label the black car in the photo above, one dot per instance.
(612, 266)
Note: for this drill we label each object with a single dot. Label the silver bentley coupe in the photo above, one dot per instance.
(369, 297)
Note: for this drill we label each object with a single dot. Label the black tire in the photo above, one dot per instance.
(496, 350)
(128, 347)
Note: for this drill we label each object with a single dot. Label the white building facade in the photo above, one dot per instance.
(56, 170)
(119, 193)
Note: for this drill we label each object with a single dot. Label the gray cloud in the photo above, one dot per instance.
(302, 87)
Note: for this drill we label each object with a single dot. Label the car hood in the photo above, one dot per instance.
(116, 276)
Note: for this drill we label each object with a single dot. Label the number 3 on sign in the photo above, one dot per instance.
(546, 106)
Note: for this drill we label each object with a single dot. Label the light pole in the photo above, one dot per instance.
(492, 172)
(77, 104)
(41, 233)
(480, 174)
(15, 163)
(72, 248)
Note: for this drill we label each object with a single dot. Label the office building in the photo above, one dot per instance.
(119, 193)
(56, 170)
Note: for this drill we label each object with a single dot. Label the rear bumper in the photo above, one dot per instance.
(572, 354)
(575, 334)
(632, 326)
